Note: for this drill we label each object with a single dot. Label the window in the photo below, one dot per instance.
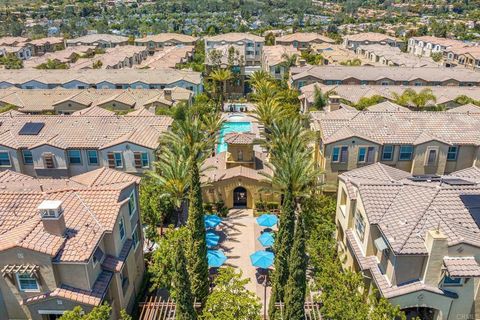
(74, 157)
(132, 203)
(135, 237)
(141, 159)
(447, 281)
(97, 256)
(27, 157)
(452, 153)
(366, 155)
(431, 157)
(359, 225)
(49, 160)
(124, 280)
(27, 283)
(5, 159)
(121, 228)
(240, 155)
(405, 153)
(340, 154)
(92, 156)
(387, 154)
(343, 202)
(118, 161)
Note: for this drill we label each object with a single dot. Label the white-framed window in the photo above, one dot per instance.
(452, 153)
(359, 225)
(92, 156)
(26, 283)
(387, 154)
(366, 154)
(121, 228)
(132, 203)
(135, 237)
(340, 154)
(406, 152)
(74, 157)
(27, 156)
(118, 159)
(5, 159)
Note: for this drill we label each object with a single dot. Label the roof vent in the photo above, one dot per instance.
(52, 217)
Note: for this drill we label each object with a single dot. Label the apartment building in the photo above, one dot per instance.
(168, 57)
(273, 58)
(366, 38)
(468, 57)
(159, 41)
(426, 45)
(72, 242)
(383, 76)
(65, 146)
(68, 101)
(250, 46)
(446, 95)
(302, 40)
(392, 56)
(114, 58)
(102, 79)
(45, 45)
(415, 238)
(421, 143)
(98, 40)
(68, 56)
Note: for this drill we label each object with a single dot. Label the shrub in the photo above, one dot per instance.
(222, 210)
(260, 205)
(208, 207)
(272, 205)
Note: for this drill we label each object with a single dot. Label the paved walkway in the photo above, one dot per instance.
(242, 231)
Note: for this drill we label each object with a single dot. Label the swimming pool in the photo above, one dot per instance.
(231, 127)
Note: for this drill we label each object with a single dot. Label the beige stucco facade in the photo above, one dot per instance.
(395, 272)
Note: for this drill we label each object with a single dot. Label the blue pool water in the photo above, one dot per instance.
(231, 127)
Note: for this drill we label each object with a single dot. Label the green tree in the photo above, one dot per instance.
(230, 300)
(297, 279)
(101, 312)
(320, 99)
(124, 315)
(197, 262)
(11, 61)
(269, 39)
(220, 78)
(181, 284)
(437, 56)
(366, 102)
(410, 98)
(53, 65)
(163, 259)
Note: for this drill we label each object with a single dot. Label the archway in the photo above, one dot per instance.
(239, 197)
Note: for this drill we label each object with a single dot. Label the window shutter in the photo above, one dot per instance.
(111, 160)
(138, 159)
(49, 160)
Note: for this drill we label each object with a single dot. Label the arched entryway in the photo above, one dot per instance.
(423, 313)
(240, 197)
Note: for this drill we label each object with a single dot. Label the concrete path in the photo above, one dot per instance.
(241, 232)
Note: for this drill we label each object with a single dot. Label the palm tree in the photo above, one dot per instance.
(220, 78)
(264, 90)
(269, 111)
(288, 62)
(410, 98)
(259, 76)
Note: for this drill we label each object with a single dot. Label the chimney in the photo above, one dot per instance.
(437, 247)
(333, 103)
(52, 217)
(302, 62)
(167, 93)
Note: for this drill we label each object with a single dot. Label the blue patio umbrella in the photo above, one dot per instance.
(216, 258)
(267, 220)
(266, 239)
(211, 220)
(262, 259)
(212, 239)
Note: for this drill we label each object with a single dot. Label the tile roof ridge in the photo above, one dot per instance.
(418, 221)
(89, 211)
(101, 171)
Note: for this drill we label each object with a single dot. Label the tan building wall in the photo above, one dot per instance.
(68, 107)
